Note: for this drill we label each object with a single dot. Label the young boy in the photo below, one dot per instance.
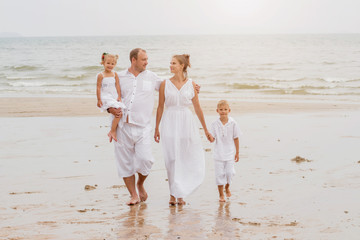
(226, 133)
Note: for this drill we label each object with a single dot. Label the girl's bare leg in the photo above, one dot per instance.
(221, 193)
(112, 133)
(227, 190)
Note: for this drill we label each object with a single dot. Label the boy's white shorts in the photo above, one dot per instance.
(133, 153)
(224, 171)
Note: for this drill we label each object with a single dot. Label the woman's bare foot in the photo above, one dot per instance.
(172, 200)
(181, 201)
(142, 193)
(133, 201)
(112, 135)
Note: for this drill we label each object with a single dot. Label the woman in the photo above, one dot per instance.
(182, 148)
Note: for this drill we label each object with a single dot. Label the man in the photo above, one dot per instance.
(133, 151)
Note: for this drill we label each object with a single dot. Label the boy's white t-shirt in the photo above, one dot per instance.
(224, 149)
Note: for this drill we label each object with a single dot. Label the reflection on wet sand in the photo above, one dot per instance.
(134, 225)
(224, 227)
(185, 223)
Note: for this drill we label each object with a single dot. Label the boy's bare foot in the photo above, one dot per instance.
(133, 201)
(142, 193)
(172, 200)
(181, 201)
(112, 135)
(222, 199)
(228, 193)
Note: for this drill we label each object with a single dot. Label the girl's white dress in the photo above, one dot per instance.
(182, 148)
(109, 94)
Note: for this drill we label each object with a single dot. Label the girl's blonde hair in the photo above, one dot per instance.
(184, 59)
(105, 56)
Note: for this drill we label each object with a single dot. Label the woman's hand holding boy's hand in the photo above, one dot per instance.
(209, 136)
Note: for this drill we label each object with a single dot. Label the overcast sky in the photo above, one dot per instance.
(154, 17)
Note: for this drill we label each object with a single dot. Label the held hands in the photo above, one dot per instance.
(209, 136)
(237, 157)
(157, 135)
(99, 103)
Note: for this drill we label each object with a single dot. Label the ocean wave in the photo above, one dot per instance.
(328, 63)
(48, 84)
(271, 86)
(307, 92)
(244, 86)
(76, 76)
(21, 78)
(335, 80)
(91, 68)
(300, 79)
(23, 68)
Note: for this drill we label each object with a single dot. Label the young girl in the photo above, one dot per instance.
(108, 90)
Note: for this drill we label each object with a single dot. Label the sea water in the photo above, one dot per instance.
(226, 66)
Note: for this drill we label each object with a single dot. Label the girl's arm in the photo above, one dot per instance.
(118, 89)
(236, 142)
(200, 113)
(159, 111)
(98, 89)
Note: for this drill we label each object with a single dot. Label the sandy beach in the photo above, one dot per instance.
(58, 178)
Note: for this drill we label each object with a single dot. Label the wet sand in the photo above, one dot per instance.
(67, 106)
(58, 178)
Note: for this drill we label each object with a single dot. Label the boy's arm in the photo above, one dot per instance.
(236, 142)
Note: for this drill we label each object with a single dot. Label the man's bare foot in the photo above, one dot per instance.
(172, 200)
(228, 193)
(142, 193)
(181, 201)
(133, 201)
(112, 135)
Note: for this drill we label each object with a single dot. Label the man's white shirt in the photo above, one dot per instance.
(137, 93)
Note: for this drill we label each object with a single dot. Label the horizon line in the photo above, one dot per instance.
(18, 35)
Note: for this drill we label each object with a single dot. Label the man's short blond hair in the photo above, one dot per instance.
(223, 103)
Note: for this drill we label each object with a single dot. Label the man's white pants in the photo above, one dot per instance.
(224, 171)
(133, 152)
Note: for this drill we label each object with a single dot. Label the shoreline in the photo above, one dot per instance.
(81, 106)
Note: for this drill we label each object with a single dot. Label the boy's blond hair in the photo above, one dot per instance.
(223, 103)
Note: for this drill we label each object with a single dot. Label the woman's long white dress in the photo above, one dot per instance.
(182, 148)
